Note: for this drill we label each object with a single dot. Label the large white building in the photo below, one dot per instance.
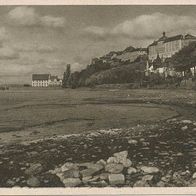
(45, 80)
(165, 46)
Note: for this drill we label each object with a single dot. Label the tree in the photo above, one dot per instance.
(66, 77)
(185, 58)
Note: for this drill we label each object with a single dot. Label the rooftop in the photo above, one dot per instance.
(40, 76)
(166, 39)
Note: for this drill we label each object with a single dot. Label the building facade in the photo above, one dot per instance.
(165, 46)
(131, 55)
(55, 81)
(45, 80)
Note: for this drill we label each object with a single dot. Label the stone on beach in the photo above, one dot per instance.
(133, 142)
(131, 170)
(68, 166)
(33, 182)
(121, 156)
(114, 168)
(116, 179)
(72, 182)
(34, 168)
(149, 170)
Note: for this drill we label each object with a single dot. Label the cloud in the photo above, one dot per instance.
(40, 48)
(51, 21)
(3, 33)
(146, 27)
(7, 53)
(95, 32)
(77, 67)
(27, 16)
(150, 26)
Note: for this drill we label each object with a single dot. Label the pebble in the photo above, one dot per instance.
(68, 166)
(114, 168)
(10, 182)
(184, 128)
(141, 183)
(72, 173)
(126, 163)
(104, 176)
(34, 168)
(186, 121)
(33, 182)
(101, 183)
(72, 182)
(131, 170)
(112, 160)
(89, 172)
(149, 170)
(116, 179)
(101, 162)
(133, 142)
(194, 176)
(121, 156)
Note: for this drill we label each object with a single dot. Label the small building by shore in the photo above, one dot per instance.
(45, 80)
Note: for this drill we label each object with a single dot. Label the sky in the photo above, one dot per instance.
(44, 39)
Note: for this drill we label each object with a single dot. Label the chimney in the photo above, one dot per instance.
(164, 34)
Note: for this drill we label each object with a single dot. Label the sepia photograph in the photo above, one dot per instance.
(97, 96)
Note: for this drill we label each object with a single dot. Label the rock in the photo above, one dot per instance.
(68, 166)
(141, 183)
(121, 156)
(101, 162)
(192, 184)
(178, 179)
(194, 123)
(132, 142)
(126, 163)
(149, 170)
(89, 171)
(104, 176)
(194, 176)
(131, 170)
(72, 173)
(86, 179)
(10, 182)
(186, 121)
(116, 179)
(184, 128)
(161, 184)
(72, 182)
(112, 160)
(51, 180)
(33, 182)
(147, 177)
(34, 168)
(33, 153)
(194, 129)
(95, 166)
(179, 154)
(114, 168)
(101, 183)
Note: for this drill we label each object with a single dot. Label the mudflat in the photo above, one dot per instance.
(28, 114)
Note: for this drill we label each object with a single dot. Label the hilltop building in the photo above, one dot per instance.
(45, 80)
(165, 46)
(130, 54)
(114, 58)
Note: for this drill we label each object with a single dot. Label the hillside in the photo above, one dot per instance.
(114, 67)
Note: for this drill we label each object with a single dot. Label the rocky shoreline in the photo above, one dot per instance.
(154, 155)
